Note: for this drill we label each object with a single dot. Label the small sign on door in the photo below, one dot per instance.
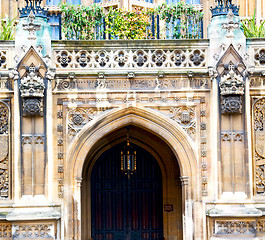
(168, 207)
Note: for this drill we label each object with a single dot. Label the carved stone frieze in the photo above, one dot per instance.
(33, 231)
(234, 227)
(186, 118)
(130, 59)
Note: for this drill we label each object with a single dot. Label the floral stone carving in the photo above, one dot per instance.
(231, 91)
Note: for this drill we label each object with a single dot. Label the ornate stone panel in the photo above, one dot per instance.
(185, 116)
(130, 59)
(17, 230)
(4, 150)
(259, 57)
(259, 144)
(239, 228)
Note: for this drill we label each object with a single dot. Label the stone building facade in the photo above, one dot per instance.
(193, 110)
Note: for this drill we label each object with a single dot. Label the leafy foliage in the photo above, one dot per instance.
(7, 29)
(79, 21)
(184, 18)
(124, 24)
(251, 29)
(87, 23)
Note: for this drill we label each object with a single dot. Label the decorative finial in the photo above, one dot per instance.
(35, 7)
(31, 27)
(231, 25)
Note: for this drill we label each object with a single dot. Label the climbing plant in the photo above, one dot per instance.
(183, 18)
(79, 22)
(7, 28)
(87, 23)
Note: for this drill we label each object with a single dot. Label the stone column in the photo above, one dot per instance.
(188, 227)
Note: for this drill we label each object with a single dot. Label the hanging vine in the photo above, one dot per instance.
(183, 18)
(88, 23)
(80, 22)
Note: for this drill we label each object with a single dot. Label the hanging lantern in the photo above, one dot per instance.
(128, 158)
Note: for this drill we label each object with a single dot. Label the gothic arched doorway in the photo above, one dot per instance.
(113, 206)
(126, 206)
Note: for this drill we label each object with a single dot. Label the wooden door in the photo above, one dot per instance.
(126, 207)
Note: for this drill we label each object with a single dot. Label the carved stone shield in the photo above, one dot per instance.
(260, 143)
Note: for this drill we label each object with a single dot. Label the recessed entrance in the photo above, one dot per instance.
(145, 205)
(126, 206)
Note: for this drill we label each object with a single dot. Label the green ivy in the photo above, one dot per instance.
(7, 29)
(86, 23)
(79, 22)
(184, 17)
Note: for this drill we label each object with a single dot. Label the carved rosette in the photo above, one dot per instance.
(231, 90)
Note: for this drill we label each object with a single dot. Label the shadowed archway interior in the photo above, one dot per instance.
(146, 205)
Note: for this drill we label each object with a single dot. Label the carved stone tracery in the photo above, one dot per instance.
(4, 150)
(186, 118)
(259, 151)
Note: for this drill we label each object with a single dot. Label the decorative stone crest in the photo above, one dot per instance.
(186, 117)
(231, 91)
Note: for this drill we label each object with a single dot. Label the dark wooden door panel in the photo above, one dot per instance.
(126, 207)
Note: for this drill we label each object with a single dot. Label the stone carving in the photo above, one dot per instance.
(50, 74)
(259, 146)
(197, 57)
(186, 118)
(121, 58)
(231, 91)
(231, 25)
(235, 227)
(130, 59)
(259, 57)
(131, 83)
(3, 62)
(4, 112)
(102, 58)
(32, 106)
(33, 231)
(32, 86)
(231, 104)
(232, 83)
(31, 27)
(82, 59)
(4, 150)
(159, 57)
(232, 136)
(259, 127)
(64, 59)
(5, 231)
(69, 83)
(77, 118)
(178, 57)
